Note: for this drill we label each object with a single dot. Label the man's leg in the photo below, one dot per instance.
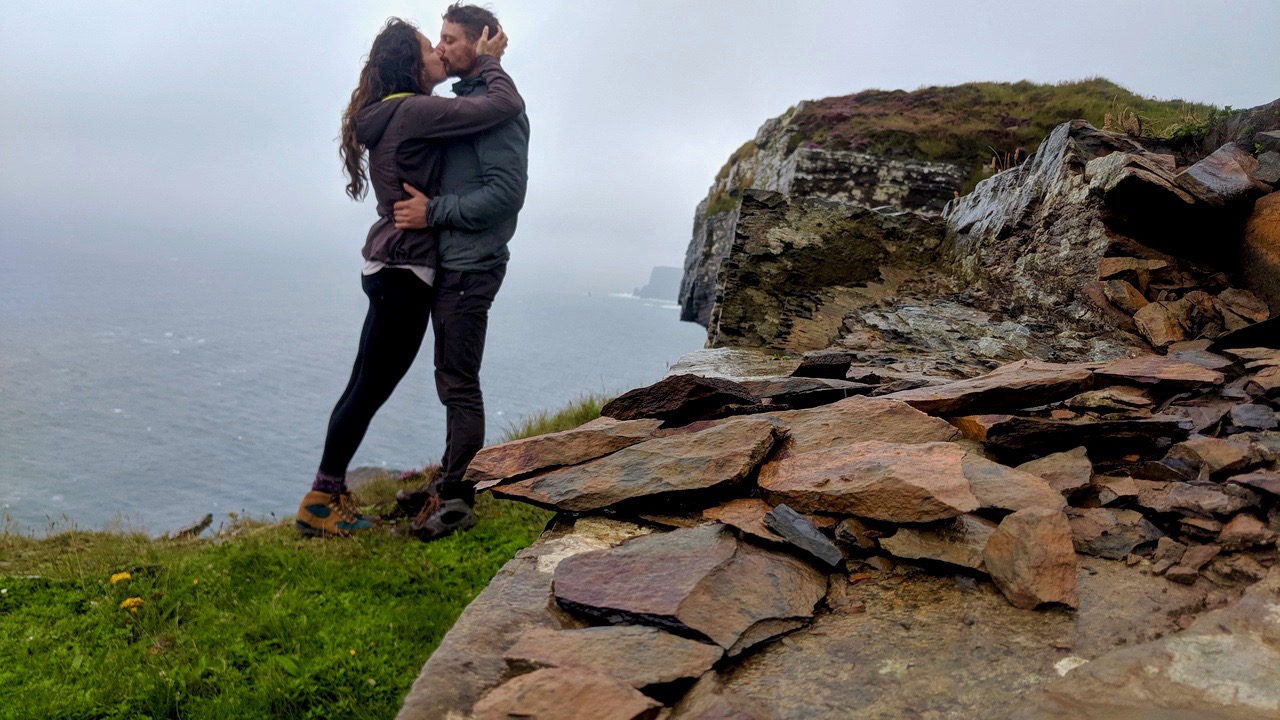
(460, 318)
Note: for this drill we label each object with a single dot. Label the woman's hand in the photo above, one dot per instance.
(494, 46)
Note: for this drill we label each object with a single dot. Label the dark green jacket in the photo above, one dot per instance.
(482, 188)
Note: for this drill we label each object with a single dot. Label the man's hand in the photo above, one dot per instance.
(494, 46)
(411, 214)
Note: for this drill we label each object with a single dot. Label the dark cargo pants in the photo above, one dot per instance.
(460, 318)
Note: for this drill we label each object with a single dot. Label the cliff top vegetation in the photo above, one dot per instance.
(986, 126)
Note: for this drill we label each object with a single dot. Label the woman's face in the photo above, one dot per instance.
(432, 66)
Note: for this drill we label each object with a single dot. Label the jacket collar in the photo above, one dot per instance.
(467, 85)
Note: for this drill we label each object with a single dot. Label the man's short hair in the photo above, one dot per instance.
(472, 19)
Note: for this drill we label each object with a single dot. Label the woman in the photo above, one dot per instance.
(393, 117)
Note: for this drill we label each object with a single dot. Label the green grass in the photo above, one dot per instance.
(255, 623)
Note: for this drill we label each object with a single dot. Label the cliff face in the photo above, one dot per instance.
(907, 151)
(774, 161)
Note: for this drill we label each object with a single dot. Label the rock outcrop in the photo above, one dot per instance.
(1054, 398)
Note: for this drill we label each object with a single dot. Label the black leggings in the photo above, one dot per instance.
(399, 312)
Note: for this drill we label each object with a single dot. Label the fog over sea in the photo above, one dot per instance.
(155, 386)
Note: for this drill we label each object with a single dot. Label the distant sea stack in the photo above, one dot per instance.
(664, 284)
(913, 151)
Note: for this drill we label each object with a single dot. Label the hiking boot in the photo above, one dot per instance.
(322, 514)
(439, 517)
(410, 501)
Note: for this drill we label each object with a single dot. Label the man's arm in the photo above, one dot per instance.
(504, 169)
(503, 153)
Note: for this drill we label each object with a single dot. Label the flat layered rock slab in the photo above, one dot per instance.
(1066, 472)
(1164, 373)
(1025, 438)
(959, 541)
(877, 480)
(1225, 666)
(722, 454)
(701, 582)
(638, 656)
(804, 392)
(924, 646)
(679, 399)
(570, 693)
(518, 598)
(745, 514)
(860, 419)
(1025, 383)
(496, 463)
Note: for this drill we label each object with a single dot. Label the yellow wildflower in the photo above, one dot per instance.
(120, 576)
(131, 604)
(195, 581)
(352, 651)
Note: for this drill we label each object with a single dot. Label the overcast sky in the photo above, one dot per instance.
(215, 122)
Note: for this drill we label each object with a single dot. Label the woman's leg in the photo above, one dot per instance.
(399, 311)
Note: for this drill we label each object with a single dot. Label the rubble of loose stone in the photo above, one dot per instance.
(752, 513)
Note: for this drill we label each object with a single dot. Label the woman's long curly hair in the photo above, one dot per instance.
(394, 66)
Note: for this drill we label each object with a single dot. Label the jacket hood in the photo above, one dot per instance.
(372, 121)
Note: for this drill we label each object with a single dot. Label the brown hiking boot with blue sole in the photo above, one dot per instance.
(322, 514)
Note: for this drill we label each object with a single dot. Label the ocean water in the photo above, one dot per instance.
(151, 388)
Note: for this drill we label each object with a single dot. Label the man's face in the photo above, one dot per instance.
(457, 52)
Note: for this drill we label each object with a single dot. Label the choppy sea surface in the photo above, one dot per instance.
(147, 390)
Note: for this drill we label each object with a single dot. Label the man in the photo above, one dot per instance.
(482, 189)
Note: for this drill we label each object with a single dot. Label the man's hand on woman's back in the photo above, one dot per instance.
(411, 214)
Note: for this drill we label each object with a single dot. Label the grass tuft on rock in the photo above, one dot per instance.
(256, 622)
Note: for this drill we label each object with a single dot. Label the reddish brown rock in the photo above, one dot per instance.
(1066, 472)
(1222, 178)
(1163, 373)
(700, 581)
(877, 480)
(1001, 487)
(1245, 304)
(498, 463)
(638, 656)
(1245, 531)
(1017, 385)
(1260, 250)
(679, 399)
(803, 392)
(1195, 558)
(1267, 481)
(859, 419)
(1266, 382)
(1136, 269)
(1160, 323)
(721, 455)
(1215, 455)
(569, 693)
(959, 541)
(708, 699)
(1031, 559)
(1124, 296)
(855, 535)
(1194, 499)
(1022, 438)
(1113, 490)
(1119, 398)
(1109, 533)
(745, 514)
